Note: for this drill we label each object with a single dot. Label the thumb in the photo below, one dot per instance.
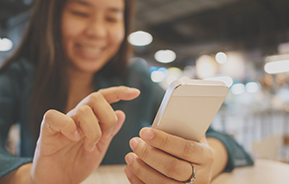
(105, 140)
(120, 120)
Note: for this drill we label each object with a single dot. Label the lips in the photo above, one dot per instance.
(92, 50)
(89, 52)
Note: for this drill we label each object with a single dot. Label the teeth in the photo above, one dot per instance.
(91, 49)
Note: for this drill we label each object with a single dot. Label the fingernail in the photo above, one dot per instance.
(129, 159)
(128, 173)
(147, 134)
(133, 90)
(76, 135)
(134, 143)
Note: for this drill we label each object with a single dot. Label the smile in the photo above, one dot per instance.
(89, 52)
(93, 50)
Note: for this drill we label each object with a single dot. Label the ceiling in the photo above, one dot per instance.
(192, 27)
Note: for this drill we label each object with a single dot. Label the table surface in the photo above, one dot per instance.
(264, 172)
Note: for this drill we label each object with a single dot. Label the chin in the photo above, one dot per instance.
(90, 69)
(89, 66)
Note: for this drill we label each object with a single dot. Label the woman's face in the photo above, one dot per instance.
(92, 32)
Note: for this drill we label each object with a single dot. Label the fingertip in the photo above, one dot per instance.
(134, 142)
(120, 115)
(129, 158)
(146, 133)
(134, 91)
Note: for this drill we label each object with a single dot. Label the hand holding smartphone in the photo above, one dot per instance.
(189, 106)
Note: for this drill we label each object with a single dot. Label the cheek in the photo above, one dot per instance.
(70, 29)
(118, 36)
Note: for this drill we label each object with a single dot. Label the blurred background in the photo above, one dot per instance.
(244, 43)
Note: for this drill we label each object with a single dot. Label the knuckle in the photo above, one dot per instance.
(211, 155)
(173, 169)
(202, 148)
(94, 136)
(144, 152)
(122, 87)
(95, 96)
(97, 136)
(137, 171)
(82, 110)
(188, 151)
(111, 120)
(164, 141)
(66, 124)
(101, 90)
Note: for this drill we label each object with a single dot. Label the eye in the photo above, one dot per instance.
(111, 19)
(81, 14)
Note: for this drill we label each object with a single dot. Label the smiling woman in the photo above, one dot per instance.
(82, 41)
(63, 86)
(72, 35)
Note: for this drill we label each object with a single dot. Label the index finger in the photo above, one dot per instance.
(184, 149)
(114, 94)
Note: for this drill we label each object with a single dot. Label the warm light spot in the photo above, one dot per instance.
(140, 38)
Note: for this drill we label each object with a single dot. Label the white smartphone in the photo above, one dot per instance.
(189, 106)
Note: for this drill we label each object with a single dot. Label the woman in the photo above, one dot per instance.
(70, 68)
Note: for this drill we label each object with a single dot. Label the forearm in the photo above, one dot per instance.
(19, 176)
(221, 155)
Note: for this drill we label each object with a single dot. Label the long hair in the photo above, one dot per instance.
(42, 46)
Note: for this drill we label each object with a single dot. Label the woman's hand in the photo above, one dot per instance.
(163, 158)
(71, 146)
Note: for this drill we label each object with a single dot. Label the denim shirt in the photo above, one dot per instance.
(16, 83)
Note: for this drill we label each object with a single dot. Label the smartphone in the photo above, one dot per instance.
(189, 106)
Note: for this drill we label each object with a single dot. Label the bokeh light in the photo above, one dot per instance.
(206, 67)
(5, 44)
(174, 74)
(252, 87)
(238, 89)
(158, 74)
(165, 56)
(221, 57)
(140, 38)
(277, 67)
(234, 67)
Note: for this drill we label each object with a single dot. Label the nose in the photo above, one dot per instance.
(96, 28)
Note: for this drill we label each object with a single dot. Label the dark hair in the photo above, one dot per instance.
(42, 45)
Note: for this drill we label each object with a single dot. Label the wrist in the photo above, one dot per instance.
(221, 155)
(19, 176)
(24, 173)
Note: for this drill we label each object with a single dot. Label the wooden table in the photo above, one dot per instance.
(264, 172)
